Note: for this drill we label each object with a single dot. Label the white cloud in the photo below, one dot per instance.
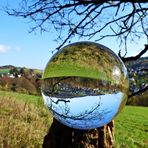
(18, 48)
(4, 48)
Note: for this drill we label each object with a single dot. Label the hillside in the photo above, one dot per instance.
(7, 67)
(25, 80)
(141, 63)
(11, 67)
(20, 79)
(138, 79)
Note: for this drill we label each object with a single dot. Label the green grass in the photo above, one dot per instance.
(4, 71)
(24, 121)
(36, 100)
(37, 71)
(131, 127)
(71, 69)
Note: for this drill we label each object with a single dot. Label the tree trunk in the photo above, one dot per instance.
(61, 136)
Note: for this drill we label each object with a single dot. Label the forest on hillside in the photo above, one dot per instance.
(21, 80)
(138, 72)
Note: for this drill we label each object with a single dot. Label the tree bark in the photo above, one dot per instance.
(61, 136)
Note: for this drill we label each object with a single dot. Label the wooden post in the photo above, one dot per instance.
(61, 136)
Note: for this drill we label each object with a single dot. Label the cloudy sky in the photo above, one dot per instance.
(18, 47)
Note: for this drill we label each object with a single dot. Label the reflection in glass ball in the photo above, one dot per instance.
(85, 85)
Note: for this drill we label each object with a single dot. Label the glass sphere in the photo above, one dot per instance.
(85, 85)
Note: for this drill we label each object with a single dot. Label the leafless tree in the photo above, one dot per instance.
(90, 19)
(87, 18)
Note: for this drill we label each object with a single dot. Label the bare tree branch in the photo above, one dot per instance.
(125, 20)
(132, 58)
(138, 92)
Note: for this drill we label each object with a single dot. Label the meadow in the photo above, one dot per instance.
(24, 121)
(4, 71)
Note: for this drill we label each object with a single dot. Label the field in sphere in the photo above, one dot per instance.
(85, 85)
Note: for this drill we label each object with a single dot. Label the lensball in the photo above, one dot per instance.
(85, 85)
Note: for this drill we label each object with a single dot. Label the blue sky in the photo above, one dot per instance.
(18, 47)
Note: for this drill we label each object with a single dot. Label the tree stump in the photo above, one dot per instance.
(61, 136)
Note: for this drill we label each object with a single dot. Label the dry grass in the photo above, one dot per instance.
(22, 125)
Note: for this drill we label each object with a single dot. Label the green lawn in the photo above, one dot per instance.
(131, 128)
(35, 100)
(24, 121)
(4, 71)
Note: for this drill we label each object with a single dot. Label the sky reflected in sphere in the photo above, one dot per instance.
(85, 85)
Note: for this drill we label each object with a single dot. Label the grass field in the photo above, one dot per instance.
(24, 121)
(4, 71)
(131, 128)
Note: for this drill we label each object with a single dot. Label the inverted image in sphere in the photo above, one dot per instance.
(85, 85)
